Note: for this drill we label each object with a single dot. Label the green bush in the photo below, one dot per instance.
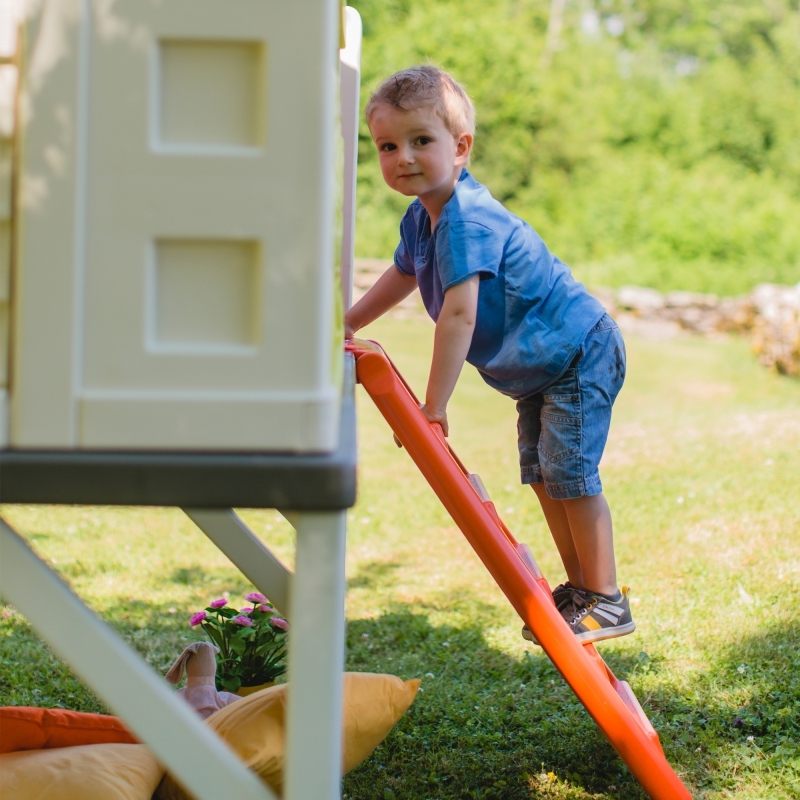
(665, 155)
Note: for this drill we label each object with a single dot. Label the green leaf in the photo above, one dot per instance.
(215, 635)
(231, 684)
(267, 646)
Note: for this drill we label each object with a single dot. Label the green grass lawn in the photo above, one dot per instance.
(702, 472)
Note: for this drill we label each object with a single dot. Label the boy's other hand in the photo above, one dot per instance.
(434, 415)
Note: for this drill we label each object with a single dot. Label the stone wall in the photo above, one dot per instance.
(770, 315)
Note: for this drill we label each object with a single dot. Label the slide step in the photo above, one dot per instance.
(530, 562)
(625, 693)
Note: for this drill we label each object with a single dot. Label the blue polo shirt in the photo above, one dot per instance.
(532, 314)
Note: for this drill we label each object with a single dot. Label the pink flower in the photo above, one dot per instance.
(256, 597)
(280, 623)
(246, 610)
(197, 618)
(245, 621)
(218, 603)
(265, 609)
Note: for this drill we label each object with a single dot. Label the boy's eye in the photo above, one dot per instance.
(424, 140)
(388, 147)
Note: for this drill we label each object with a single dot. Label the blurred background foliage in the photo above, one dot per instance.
(652, 142)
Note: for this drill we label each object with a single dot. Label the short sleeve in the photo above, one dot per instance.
(404, 254)
(464, 249)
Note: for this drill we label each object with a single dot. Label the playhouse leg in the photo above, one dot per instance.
(250, 555)
(132, 689)
(316, 659)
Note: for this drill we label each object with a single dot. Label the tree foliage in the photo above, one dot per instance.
(659, 144)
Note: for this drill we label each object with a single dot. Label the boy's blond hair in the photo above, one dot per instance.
(427, 86)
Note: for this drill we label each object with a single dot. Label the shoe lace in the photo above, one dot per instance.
(582, 603)
(563, 595)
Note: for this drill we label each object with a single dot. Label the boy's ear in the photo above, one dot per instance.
(463, 147)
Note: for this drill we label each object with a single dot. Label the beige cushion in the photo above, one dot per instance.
(85, 772)
(254, 726)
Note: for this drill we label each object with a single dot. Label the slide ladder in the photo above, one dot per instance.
(609, 701)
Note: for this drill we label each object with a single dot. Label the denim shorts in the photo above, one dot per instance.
(563, 429)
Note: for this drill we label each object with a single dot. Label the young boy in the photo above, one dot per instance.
(503, 303)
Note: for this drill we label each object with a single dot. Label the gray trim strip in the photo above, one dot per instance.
(307, 482)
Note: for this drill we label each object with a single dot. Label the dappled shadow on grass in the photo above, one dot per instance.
(488, 725)
(626, 664)
(189, 576)
(485, 725)
(374, 574)
(739, 720)
(31, 674)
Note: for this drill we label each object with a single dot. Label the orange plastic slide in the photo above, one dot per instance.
(610, 702)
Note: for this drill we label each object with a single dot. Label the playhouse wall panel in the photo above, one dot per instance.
(190, 211)
(46, 289)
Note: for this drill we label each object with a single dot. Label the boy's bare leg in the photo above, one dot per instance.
(593, 540)
(583, 533)
(556, 517)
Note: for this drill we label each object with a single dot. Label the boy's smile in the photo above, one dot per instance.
(418, 155)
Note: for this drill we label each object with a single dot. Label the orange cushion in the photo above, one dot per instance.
(24, 728)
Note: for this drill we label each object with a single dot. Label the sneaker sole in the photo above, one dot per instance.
(588, 636)
(606, 633)
(527, 635)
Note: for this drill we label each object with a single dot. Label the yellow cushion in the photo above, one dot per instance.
(86, 772)
(372, 705)
(254, 726)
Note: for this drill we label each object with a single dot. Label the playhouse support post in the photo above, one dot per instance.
(316, 658)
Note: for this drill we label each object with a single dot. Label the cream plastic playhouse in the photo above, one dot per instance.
(172, 282)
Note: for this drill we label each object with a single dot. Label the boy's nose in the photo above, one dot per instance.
(406, 155)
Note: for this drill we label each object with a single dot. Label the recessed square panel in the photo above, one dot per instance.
(209, 94)
(205, 293)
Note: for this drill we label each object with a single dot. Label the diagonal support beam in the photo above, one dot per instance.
(261, 567)
(99, 655)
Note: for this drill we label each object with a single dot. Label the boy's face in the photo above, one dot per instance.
(418, 154)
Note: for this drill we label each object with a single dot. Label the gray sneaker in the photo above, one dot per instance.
(562, 595)
(593, 617)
